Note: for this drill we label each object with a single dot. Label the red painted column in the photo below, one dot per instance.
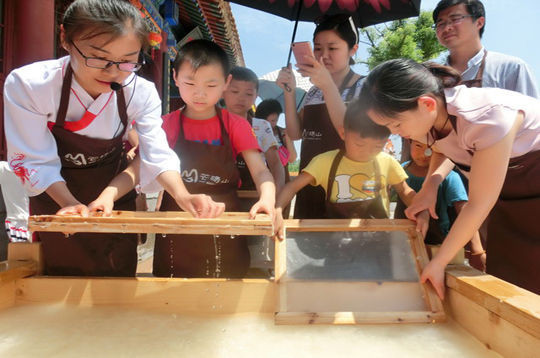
(34, 32)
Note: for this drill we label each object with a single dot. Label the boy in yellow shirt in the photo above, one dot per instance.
(358, 176)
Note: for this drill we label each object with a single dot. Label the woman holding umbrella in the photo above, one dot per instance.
(320, 119)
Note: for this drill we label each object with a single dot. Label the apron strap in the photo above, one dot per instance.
(332, 174)
(224, 133)
(352, 89)
(64, 99)
(64, 102)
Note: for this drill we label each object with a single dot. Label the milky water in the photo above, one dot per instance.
(68, 331)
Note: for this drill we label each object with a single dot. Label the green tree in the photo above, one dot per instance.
(409, 38)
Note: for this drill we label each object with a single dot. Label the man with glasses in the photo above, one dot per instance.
(459, 25)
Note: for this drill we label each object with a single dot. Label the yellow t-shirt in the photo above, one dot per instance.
(355, 181)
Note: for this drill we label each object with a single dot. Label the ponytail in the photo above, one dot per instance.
(447, 75)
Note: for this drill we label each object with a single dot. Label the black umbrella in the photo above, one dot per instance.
(364, 12)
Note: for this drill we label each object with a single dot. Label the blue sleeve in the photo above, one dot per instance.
(454, 190)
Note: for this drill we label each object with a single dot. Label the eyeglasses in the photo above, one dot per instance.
(452, 20)
(100, 63)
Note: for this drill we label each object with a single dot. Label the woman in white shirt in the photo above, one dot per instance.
(65, 121)
(493, 136)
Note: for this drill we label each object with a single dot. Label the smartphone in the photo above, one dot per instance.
(300, 50)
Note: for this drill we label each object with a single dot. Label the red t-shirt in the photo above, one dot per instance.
(208, 131)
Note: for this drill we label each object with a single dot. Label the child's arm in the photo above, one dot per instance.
(407, 194)
(264, 182)
(117, 188)
(285, 196)
(275, 166)
(477, 250)
(289, 144)
(199, 205)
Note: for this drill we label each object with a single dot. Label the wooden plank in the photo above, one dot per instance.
(348, 224)
(248, 194)
(27, 251)
(195, 296)
(280, 259)
(420, 254)
(509, 302)
(155, 222)
(489, 328)
(14, 270)
(357, 317)
(436, 311)
(7, 295)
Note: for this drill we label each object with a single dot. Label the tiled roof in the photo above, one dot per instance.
(216, 21)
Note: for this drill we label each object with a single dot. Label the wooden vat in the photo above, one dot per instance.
(502, 318)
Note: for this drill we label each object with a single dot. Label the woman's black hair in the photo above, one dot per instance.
(475, 8)
(202, 53)
(357, 121)
(343, 25)
(268, 107)
(91, 18)
(245, 74)
(394, 86)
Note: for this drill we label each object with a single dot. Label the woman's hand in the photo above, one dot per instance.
(478, 261)
(317, 72)
(425, 199)
(76, 209)
(200, 205)
(434, 272)
(286, 77)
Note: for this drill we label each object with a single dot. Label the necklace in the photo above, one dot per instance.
(428, 152)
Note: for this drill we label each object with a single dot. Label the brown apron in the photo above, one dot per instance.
(88, 166)
(279, 133)
(206, 169)
(246, 180)
(514, 234)
(365, 209)
(318, 136)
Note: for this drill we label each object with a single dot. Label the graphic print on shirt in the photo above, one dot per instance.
(193, 176)
(357, 187)
(16, 164)
(80, 159)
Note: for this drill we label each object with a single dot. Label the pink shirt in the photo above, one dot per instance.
(484, 117)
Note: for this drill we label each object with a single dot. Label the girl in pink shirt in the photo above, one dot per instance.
(493, 136)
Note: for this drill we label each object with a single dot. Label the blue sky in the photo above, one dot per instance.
(511, 28)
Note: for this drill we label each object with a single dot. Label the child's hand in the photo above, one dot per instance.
(102, 204)
(422, 222)
(201, 206)
(77, 209)
(286, 77)
(262, 206)
(434, 272)
(317, 72)
(278, 225)
(131, 154)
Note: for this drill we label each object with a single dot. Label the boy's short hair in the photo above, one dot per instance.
(357, 120)
(245, 74)
(202, 53)
(267, 107)
(475, 8)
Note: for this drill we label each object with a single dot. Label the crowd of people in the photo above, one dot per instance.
(478, 112)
